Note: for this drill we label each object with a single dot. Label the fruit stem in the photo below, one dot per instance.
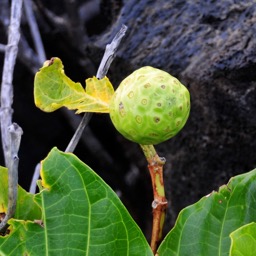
(159, 204)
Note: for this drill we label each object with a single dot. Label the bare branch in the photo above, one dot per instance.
(28, 56)
(110, 52)
(34, 30)
(11, 133)
(32, 188)
(78, 133)
(7, 77)
(88, 138)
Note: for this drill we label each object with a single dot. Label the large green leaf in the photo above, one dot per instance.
(244, 241)
(204, 228)
(26, 208)
(53, 90)
(81, 216)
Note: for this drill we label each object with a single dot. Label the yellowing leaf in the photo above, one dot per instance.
(99, 89)
(53, 90)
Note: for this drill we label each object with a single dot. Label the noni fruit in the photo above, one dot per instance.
(150, 106)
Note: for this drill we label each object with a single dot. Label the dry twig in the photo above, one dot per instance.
(34, 30)
(11, 133)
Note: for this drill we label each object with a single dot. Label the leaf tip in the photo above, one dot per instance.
(50, 62)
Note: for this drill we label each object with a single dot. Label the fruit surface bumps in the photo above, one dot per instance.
(150, 106)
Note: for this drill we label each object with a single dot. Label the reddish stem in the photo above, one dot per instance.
(159, 204)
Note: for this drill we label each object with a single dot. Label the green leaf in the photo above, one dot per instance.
(204, 228)
(26, 208)
(53, 90)
(81, 216)
(243, 241)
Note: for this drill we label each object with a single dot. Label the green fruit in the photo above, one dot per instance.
(150, 106)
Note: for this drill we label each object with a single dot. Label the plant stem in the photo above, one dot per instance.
(78, 133)
(159, 204)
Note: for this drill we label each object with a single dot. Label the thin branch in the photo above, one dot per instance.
(34, 30)
(88, 138)
(110, 53)
(25, 54)
(33, 60)
(78, 133)
(28, 56)
(10, 133)
(106, 61)
(32, 188)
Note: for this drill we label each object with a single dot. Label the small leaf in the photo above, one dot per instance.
(243, 241)
(82, 215)
(53, 90)
(204, 227)
(26, 208)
